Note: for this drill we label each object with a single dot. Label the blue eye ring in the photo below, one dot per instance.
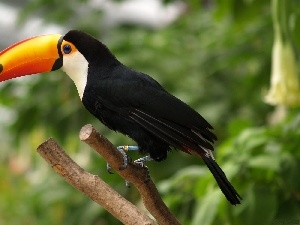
(67, 49)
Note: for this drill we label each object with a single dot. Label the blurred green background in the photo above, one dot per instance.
(216, 55)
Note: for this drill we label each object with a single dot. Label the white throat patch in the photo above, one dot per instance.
(76, 66)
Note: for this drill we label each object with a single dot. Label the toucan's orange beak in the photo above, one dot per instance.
(34, 55)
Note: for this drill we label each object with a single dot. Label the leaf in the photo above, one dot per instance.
(236, 126)
(265, 162)
(289, 211)
(252, 138)
(261, 205)
(207, 208)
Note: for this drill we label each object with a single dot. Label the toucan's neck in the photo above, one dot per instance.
(76, 67)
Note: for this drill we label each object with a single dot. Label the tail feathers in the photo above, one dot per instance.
(228, 190)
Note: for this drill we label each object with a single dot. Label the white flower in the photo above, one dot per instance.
(284, 89)
(284, 78)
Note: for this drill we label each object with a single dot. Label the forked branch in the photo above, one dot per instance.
(95, 188)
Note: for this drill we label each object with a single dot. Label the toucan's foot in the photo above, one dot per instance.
(141, 162)
(126, 158)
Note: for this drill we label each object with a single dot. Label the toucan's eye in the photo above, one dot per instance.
(67, 49)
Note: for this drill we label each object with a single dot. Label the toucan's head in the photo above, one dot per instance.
(74, 52)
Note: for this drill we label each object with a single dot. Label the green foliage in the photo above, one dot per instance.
(216, 57)
(263, 163)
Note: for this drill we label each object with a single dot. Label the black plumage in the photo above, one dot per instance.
(136, 105)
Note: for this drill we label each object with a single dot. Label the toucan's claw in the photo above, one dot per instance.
(141, 161)
(127, 183)
(108, 167)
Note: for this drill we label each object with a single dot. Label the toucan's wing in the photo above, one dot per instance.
(138, 97)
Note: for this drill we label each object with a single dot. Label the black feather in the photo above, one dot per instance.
(228, 190)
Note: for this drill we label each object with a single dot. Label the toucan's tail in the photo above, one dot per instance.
(228, 190)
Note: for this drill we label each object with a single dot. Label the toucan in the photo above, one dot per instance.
(123, 99)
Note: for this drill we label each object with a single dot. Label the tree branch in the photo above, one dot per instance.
(91, 185)
(135, 174)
